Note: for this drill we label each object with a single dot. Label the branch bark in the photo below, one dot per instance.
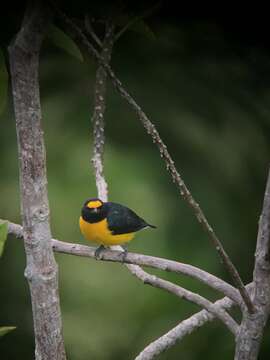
(252, 326)
(78, 36)
(99, 111)
(157, 263)
(141, 260)
(185, 327)
(41, 269)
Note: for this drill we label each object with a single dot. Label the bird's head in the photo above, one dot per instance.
(93, 210)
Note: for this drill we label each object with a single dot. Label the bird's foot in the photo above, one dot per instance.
(98, 252)
(123, 254)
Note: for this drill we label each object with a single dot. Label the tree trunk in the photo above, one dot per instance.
(41, 269)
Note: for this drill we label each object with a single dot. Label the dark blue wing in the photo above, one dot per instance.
(122, 220)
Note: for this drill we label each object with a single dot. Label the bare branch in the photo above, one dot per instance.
(192, 297)
(154, 262)
(99, 110)
(158, 263)
(142, 260)
(185, 327)
(252, 326)
(78, 36)
(91, 31)
(41, 270)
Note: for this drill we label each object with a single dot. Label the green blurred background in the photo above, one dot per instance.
(206, 87)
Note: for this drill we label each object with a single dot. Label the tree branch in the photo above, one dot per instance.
(142, 260)
(252, 326)
(90, 30)
(99, 111)
(41, 269)
(185, 327)
(157, 263)
(78, 36)
(220, 313)
(99, 141)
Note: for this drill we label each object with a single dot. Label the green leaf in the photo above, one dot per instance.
(3, 235)
(60, 39)
(3, 83)
(6, 329)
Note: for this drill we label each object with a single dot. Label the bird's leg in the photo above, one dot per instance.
(124, 253)
(99, 251)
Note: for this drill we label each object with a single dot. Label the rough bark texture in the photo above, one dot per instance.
(251, 330)
(41, 269)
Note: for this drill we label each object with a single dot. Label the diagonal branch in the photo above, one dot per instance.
(78, 36)
(216, 311)
(131, 258)
(142, 260)
(185, 327)
(90, 30)
(99, 141)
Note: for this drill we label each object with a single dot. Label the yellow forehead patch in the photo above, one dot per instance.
(94, 204)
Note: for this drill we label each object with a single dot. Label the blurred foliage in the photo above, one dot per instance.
(3, 235)
(209, 97)
(61, 40)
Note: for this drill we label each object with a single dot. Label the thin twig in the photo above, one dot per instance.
(78, 36)
(116, 256)
(220, 313)
(90, 30)
(185, 327)
(99, 111)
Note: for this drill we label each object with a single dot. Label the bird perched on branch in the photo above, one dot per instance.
(109, 223)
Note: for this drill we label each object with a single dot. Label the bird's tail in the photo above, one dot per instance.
(152, 226)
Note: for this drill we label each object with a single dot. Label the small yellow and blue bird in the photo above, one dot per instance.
(109, 223)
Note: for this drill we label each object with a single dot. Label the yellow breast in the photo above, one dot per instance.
(99, 233)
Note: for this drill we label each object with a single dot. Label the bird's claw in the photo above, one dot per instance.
(123, 255)
(98, 252)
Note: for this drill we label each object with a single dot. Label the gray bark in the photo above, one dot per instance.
(251, 330)
(41, 269)
(99, 111)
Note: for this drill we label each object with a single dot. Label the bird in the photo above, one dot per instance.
(109, 223)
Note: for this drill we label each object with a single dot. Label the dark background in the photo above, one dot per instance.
(203, 78)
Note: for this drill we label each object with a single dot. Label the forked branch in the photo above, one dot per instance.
(77, 34)
(158, 263)
(185, 327)
(142, 260)
(99, 141)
